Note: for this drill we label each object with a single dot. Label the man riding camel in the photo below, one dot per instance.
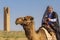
(50, 21)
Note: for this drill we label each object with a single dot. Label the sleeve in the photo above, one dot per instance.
(53, 20)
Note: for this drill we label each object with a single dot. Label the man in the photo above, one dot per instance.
(50, 21)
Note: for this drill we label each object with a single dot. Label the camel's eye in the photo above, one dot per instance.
(32, 18)
(24, 19)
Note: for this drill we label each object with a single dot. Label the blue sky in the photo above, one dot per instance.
(18, 8)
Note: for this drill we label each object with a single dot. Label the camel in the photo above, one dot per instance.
(27, 23)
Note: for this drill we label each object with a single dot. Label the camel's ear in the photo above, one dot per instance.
(32, 18)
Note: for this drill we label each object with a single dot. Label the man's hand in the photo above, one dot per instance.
(49, 19)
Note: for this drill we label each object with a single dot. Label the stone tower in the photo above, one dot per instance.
(6, 19)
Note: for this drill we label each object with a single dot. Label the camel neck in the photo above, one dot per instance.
(29, 30)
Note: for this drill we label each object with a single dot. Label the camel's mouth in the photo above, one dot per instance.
(16, 23)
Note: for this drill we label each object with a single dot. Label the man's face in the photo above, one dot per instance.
(50, 9)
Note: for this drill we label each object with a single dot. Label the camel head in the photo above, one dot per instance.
(24, 20)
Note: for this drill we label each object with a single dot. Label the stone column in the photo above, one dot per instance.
(6, 19)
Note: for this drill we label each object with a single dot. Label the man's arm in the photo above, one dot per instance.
(55, 17)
